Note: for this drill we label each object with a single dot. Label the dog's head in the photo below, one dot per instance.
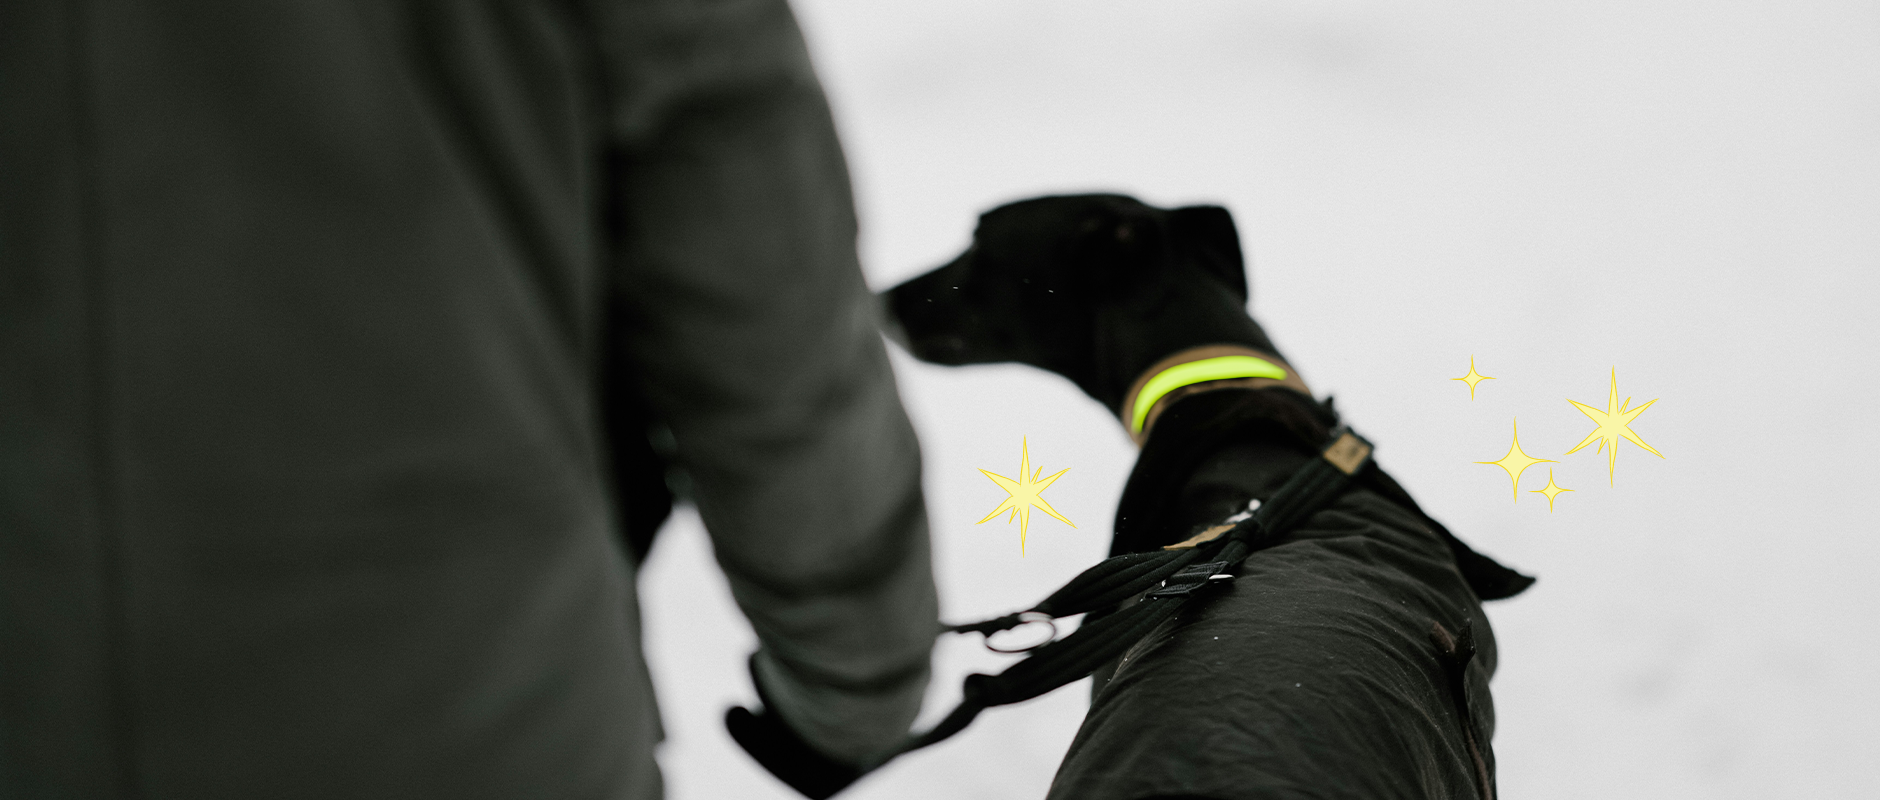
(1041, 273)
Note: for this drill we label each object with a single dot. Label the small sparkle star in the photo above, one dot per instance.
(1472, 378)
(1517, 462)
(1024, 494)
(1551, 490)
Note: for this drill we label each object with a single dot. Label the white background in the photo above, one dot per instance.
(1686, 193)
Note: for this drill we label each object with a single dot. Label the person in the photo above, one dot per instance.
(1348, 655)
(330, 337)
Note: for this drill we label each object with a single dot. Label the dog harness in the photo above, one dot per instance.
(1161, 581)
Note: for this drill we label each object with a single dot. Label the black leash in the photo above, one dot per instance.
(1167, 580)
(1164, 581)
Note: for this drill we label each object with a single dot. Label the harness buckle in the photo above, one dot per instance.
(1192, 578)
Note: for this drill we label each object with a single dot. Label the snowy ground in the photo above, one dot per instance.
(1688, 193)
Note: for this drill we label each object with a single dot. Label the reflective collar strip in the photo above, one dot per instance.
(1207, 369)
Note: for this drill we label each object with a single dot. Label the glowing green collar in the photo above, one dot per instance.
(1193, 372)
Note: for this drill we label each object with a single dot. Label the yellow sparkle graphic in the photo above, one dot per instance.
(1024, 494)
(1472, 379)
(1551, 490)
(1517, 462)
(1614, 424)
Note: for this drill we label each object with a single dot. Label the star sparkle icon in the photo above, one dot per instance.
(1472, 378)
(1614, 423)
(1552, 491)
(1024, 494)
(1517, 462)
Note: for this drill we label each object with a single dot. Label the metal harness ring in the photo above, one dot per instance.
(1025, 618)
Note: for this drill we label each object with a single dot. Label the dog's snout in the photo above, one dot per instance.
(926, 325)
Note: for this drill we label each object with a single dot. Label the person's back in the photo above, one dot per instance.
(315, 325)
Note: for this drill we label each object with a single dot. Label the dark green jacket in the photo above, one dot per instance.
(320, 325)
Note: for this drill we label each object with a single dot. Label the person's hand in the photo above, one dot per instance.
(773, 743)
(769, 740)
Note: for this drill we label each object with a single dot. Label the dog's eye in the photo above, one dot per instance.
(1125, 232)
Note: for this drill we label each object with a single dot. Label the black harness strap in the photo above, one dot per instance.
(1166, 580)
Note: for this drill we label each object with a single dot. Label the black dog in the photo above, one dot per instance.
(1327, 665)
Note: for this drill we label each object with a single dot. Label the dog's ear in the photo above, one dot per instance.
(1209, 231)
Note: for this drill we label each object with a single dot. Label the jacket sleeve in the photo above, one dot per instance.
(755, 339)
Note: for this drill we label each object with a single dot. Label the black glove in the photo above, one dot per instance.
(769, 740)
(774, 745)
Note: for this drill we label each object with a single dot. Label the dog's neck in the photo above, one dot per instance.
(1187, 309)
